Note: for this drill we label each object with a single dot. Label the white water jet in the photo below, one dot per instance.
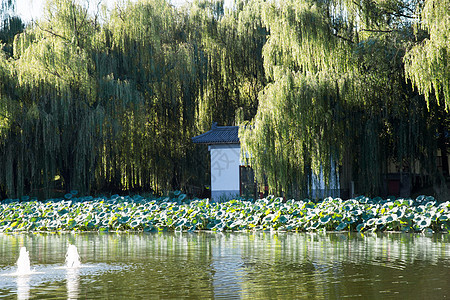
(23, 263)
(72, 257)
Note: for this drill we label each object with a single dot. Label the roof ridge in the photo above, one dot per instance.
(219, 135)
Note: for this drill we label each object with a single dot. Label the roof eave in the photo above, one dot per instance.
(217, 143)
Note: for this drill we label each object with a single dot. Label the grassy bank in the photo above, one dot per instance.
(177, 213)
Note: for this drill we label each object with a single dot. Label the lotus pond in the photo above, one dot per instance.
(177, 213)
(229, 265)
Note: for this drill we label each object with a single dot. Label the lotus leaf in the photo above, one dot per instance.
(391, 218)
(124, 213)
(360, 227)
(380, 221)
(341, 226)
(313, 226)
(325, 220)
(283, 219)
(444, 218)
(424, 222)
(371, 222)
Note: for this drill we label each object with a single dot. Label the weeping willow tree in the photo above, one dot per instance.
(49, 98)
(336, 92)
(427, 62)
(112, 105)
(191, 66)
(293, 131)
(232, 40)
(97, 106)
(150, 48)
(427, 66)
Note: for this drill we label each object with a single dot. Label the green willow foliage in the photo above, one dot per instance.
(233, 43)
(112, 104)
(51, 104)
(336, 92)
(109, 102)
(427, 63)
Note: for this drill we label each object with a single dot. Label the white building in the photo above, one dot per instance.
(224, 147)
(230, 178)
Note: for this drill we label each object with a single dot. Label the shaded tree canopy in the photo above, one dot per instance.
(109, 102)
(112, 105)
(337, 91)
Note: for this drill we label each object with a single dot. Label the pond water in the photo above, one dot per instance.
(229, 266)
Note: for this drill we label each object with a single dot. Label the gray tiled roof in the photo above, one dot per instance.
(218, 135)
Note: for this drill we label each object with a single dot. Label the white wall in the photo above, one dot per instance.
(225, 161)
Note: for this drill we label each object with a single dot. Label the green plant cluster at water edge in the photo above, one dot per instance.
(178, 213)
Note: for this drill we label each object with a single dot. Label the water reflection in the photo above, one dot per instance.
(227, 266)
(72, 283)
(233, 265)
(336, 265)
(23, 287)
